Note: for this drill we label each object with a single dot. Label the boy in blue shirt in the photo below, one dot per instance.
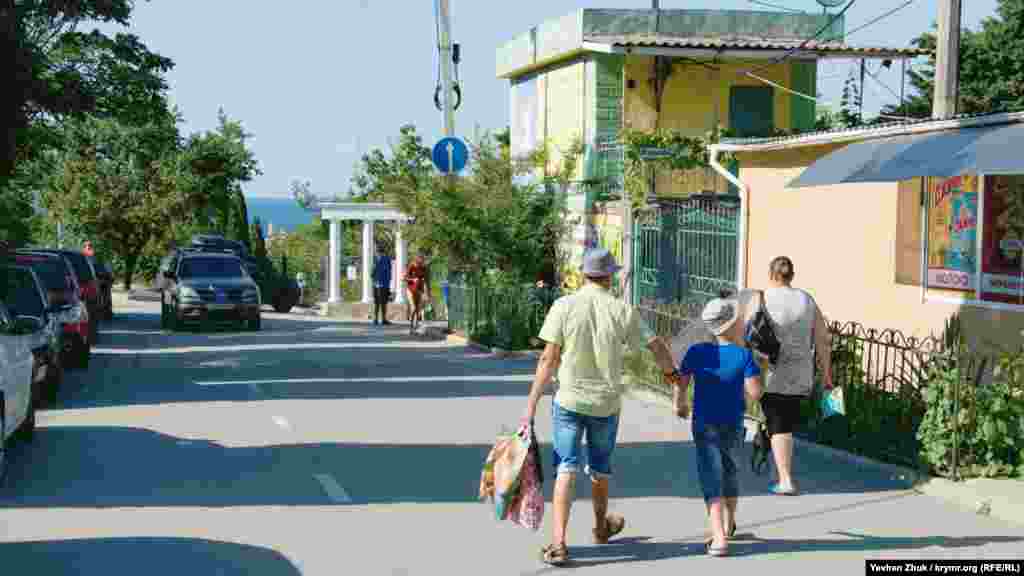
(722, 372)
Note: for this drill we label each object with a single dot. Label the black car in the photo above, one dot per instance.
(26, 299)
(206, 288)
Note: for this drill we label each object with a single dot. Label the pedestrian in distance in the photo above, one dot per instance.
(381, 286)
(721, 371)
(803, 334)
(417, 281)
(586, 335)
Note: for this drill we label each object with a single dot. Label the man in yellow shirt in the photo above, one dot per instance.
(587, 334)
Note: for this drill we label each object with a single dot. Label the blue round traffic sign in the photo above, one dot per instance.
(450, 155)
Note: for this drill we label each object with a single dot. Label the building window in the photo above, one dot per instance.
(1002, 266)
(974, 235)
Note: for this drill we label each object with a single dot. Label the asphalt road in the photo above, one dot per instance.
(320, 447)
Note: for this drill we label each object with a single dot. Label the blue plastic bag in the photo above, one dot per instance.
(833, 403)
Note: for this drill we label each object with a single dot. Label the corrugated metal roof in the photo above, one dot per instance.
(726, 43)
(873, 131)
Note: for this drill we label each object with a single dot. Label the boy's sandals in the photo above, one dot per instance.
(613, 525)
(554, 554)
(708, 540)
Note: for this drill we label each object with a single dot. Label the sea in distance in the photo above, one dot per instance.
(284, 213)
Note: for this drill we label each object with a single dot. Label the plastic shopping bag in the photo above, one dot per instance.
(527, 508)
(500, 478)
(833, 403)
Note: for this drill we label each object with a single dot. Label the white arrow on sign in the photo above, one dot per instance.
(451, 159)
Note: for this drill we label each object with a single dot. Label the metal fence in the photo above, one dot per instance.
(686, 250)
(503, 316)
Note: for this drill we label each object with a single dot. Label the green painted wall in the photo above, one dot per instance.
(607, 119)
(804, 79)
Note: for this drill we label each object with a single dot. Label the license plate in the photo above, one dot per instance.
(221, 297)
(220, 307)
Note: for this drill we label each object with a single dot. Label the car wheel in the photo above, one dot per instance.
(56, 380)
(28, 427)
(164, 324)
(108, 314)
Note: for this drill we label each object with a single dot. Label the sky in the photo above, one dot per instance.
(318, 83)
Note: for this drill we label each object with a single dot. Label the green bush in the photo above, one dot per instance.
(983, 419)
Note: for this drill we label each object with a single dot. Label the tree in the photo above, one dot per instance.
(51, 70)
(850, 104)
(122, 185)
(303, 194)
(259, 249)
(481, 221)
(240, 221)
(221, 162)
(991, 78)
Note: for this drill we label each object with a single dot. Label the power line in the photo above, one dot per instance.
(882, 84)
(804, 44)
(880, 18)
(774, 5)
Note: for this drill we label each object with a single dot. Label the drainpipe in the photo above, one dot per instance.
(741, 258)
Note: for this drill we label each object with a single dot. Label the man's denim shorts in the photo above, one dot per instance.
(716, 464)
(568, 429)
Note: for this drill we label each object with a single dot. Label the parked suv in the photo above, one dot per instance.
(208, 288)
(26, 298)
(61, 285)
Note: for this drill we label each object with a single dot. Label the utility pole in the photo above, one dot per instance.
(445, 32)
(947, 61)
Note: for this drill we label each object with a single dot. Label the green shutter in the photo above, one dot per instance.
(752, 111)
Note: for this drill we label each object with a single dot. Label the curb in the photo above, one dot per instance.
(496, 353)
(968, 495)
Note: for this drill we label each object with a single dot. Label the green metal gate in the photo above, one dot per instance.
(685, 250)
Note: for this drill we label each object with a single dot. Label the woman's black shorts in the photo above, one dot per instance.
(782, 413)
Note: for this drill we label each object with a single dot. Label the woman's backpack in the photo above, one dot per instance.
(760, 334)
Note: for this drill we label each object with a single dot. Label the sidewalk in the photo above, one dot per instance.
(999, 498)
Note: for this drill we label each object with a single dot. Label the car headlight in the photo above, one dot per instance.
(188, 294)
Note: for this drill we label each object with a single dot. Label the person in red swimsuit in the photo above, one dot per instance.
(417, 281)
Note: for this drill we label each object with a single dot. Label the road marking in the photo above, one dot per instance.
(397, 379)
(282, 422)
(334, 491)
(271, 347)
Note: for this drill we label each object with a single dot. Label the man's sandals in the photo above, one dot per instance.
(558, 554)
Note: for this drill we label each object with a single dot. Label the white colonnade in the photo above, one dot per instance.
(369, 214)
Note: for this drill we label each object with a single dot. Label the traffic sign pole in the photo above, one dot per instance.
(445, 18)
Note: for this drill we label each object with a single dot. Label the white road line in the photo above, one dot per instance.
(271, 347)
(397, 379)
(282, 422)
(334, 491)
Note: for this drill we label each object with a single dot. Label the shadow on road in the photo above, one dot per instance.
(864, 543)
(150, 556)
(127, 467)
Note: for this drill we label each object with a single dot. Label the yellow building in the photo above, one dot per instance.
(593, 73)
(881, 247)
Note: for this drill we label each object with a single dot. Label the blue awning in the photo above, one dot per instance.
(983, 150)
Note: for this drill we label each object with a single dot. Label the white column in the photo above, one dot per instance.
(400, 258)
(368, 254)
(334, 262)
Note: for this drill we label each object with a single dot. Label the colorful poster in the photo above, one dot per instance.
(1003, 244)
(953, 232)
